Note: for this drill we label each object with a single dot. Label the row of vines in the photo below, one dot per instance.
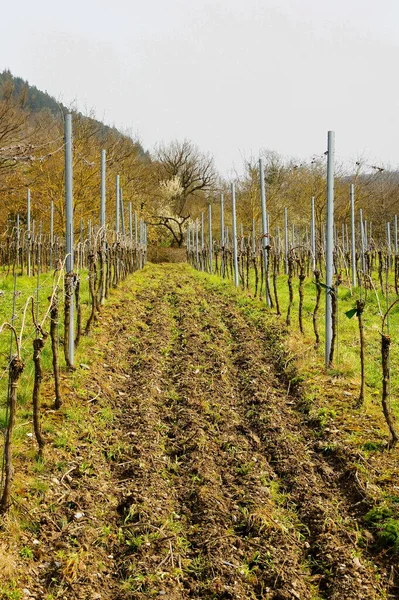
(286, 268)
(38, 301)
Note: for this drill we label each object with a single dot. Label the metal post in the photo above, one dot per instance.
(234, 233)
(313, 233)
(130, 221)
(141, 243)
(363, 243)
(389, 238)
(122, 211)
(210, 239)
(69, 227)
(103, 188)
(222, 265)
(51, 233)
(265, 232)
(396, 233)
(329, 242)
(18, 243)
(353, 236)
(286, 241)
(196, 245)
(343, 238)
(117, 200)
(28, 225)
(136, 235)
(202, 242)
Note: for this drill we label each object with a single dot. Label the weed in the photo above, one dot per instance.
(324, 416)
(377, 514)
(245, 468)
(9, 593)
(26, 553)
(386, 528)
(372, 446)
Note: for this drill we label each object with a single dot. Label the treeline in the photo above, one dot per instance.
(168, 189)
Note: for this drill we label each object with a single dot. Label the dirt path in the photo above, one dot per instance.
(221, 492)
(224, 495)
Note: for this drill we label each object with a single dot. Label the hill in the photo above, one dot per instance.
(34, 101)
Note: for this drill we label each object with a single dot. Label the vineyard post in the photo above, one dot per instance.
(51, 233)
(103, 191)
(253, 237)
(343, 238)
(188, 242)
(329, 244)
(28, 229)
(278, 236)
(353, 235)
(103, 188)
(388, 228)
(130, 222)
(16, 259)
(265, 240)
(210, 239)
(234, 233)
(222, 234)
(122, 210)
(136, 235)
(363, 243)
(202, 243)
(286, 244)
(395, 233)
(141, 244)
(117, 200)
(313, 235)
(196, 244)
(69, 229)
(193, 239)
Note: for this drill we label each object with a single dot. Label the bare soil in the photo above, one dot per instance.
(207, 482)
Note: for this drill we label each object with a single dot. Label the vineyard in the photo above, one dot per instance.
(220, 428)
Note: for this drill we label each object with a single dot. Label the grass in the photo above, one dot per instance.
(40, 288)
(74, 433)
(347, 354)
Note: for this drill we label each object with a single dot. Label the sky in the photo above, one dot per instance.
(234, 77)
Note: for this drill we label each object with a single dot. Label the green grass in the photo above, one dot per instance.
(347, 357)
(39, 288)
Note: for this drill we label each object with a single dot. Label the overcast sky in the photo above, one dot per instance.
(233, 76)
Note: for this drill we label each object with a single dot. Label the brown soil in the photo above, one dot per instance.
(207, 483)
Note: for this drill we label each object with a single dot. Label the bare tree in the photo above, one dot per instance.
(184, 174)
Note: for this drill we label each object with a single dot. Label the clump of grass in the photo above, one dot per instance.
(384, 526)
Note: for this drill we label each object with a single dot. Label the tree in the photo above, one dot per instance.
(185, 174)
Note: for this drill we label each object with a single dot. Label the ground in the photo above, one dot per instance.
(190, 468)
